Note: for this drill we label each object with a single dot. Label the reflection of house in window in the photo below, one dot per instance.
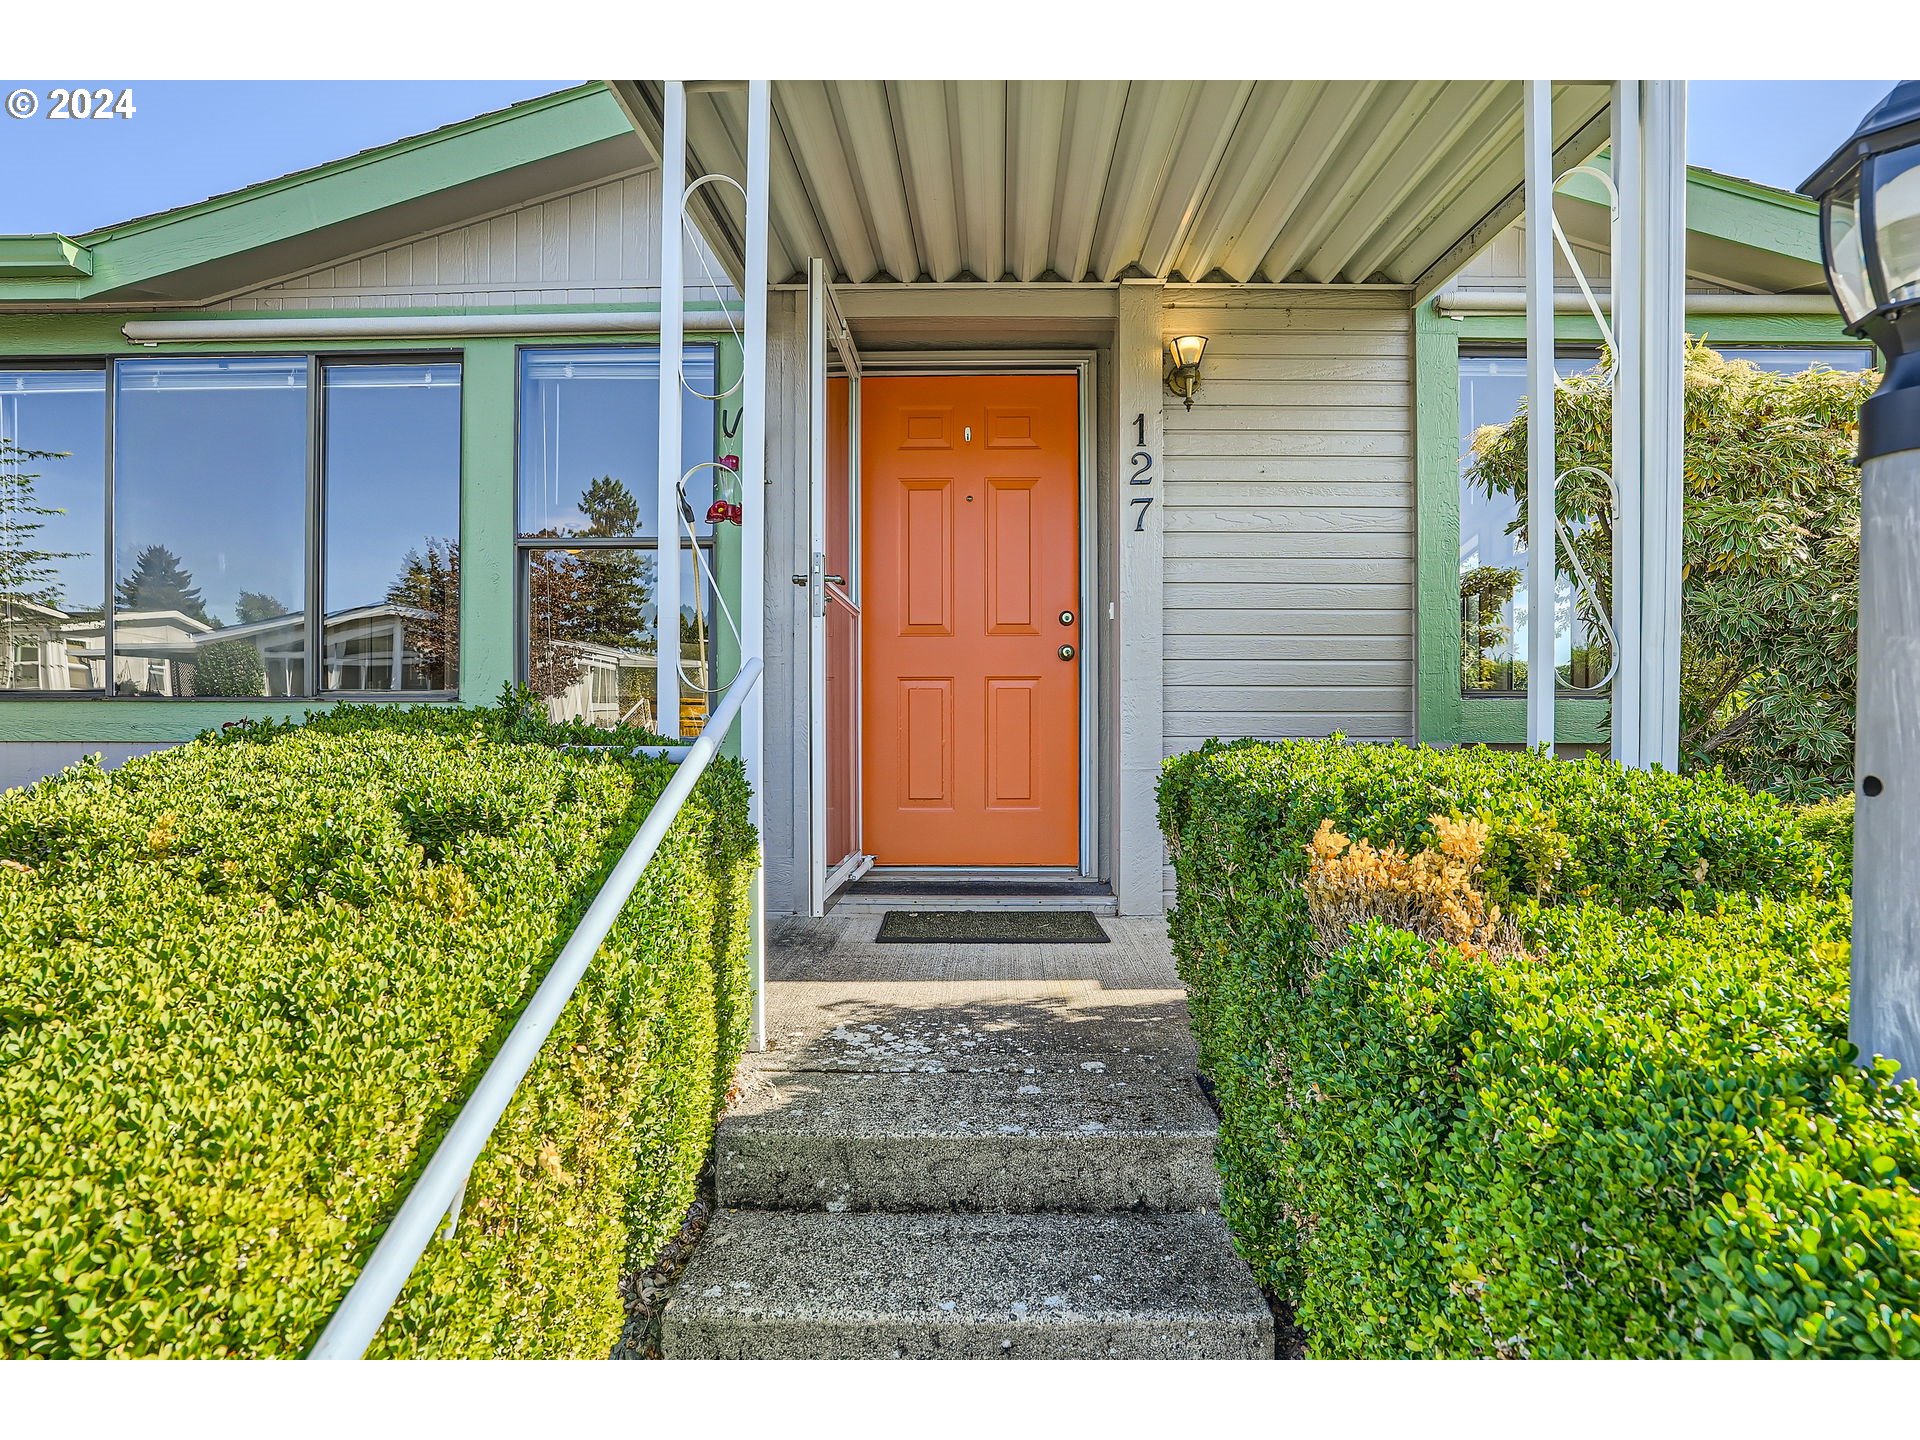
(612, 685)
(366, 651)
(153, 651)
(37, 655)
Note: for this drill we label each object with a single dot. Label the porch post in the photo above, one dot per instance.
(753, 530)
(1541, 378)
(1140, 858)
(1663, 328)
(1628, 267)
(673, 309)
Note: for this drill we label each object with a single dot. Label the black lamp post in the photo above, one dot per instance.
(1869, 195)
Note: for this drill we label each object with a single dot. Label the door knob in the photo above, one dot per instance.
(1066, 617)
(1066, 652)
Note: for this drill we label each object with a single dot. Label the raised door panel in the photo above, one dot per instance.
(970, 533)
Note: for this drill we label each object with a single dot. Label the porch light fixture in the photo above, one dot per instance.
(1185, 352)
(1869, 194)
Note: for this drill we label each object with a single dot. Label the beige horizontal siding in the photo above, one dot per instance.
(1289, 523)
(599, 245)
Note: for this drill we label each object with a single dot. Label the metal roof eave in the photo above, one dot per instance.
(1022, 182)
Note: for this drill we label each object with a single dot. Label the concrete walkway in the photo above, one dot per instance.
(968, 1151)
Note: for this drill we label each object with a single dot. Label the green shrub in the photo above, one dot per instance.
(1585, 1152)
(229, 667)
(245, 986)
(1589, 1154)
(1830, 822)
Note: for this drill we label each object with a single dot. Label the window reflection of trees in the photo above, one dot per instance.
(590, 615)
(45, 416)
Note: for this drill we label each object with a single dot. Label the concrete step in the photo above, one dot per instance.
(774, 1285)
(1011, 1037)
(1059, 1133)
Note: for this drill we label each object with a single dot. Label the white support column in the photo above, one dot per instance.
(1541, 378)
(673, 312)
(1628, 354)
(1663, 321)
(753, 530)
(1139, 647)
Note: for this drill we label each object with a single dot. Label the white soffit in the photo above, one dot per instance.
(1392, 182)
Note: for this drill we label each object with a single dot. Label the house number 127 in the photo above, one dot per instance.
(1142, 473)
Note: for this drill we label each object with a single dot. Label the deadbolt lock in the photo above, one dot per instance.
(1066, 652)
(1066, 617)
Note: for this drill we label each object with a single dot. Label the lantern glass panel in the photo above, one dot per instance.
(1188, 349)
(1896, 220)
(1846, 257)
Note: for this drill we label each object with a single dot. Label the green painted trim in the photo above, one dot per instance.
(1724, 207)
(1436, 410)
(489, 401)
(1444, 715)
(137, 252)
(1579, 329)
(29, 257)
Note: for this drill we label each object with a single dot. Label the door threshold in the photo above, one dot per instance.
(982, 889)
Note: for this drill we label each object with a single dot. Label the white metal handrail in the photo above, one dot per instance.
(438, 1192)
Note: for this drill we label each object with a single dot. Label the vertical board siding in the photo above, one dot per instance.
(595, 246)
(1289, 588)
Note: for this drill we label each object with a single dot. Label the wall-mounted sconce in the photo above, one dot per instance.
(1185, 351)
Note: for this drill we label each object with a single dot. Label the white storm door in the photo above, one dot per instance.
(833, 589)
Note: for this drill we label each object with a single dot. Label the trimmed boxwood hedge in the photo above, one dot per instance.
(246, 984)
(1648, 1140)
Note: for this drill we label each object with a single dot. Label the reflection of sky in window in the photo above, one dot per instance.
(210, 460)
(1791, 360)
(592, 411)
(392, 472)
(63, 410)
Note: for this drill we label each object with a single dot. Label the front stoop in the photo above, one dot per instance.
(787, 1285)
(990, 1180)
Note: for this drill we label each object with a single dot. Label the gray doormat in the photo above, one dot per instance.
(991, 927)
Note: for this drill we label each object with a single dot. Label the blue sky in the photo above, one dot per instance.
(1774, 131)
(191, 139)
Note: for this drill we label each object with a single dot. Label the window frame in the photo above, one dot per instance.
(1508, 350)
(316, 656)
(314, 513)
(524, 546)
(1442, 715)
(103, 365)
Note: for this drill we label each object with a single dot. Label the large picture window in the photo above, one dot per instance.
(209, 525)
(590, 535)
(391, 458)
(1494, 608)
(243, 491)
(53, 494)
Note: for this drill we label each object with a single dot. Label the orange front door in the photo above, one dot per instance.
(971, 622)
